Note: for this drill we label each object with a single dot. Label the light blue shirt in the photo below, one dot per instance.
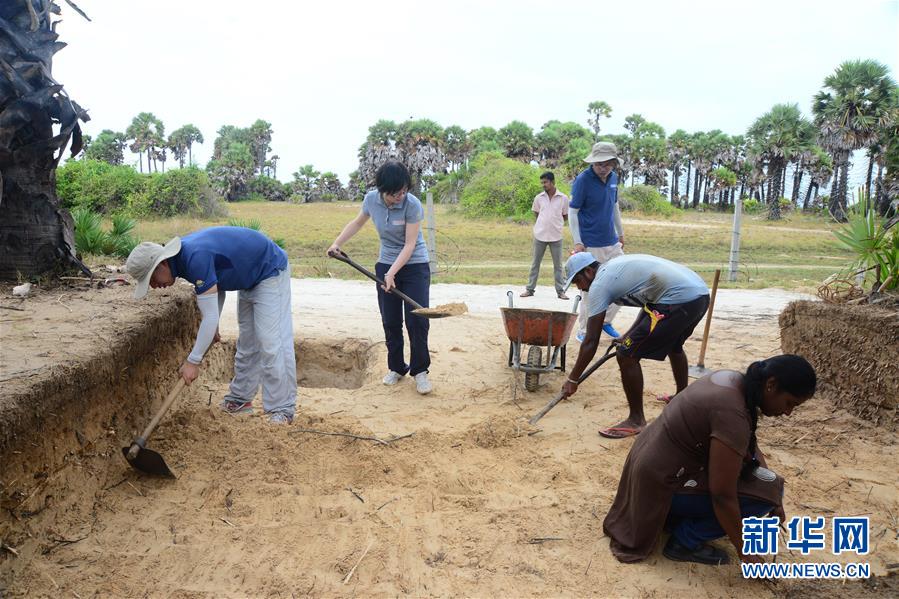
(391, 225)
(640, 280)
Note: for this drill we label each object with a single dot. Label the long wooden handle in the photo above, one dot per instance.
(347, 260)
(708, 319)
(173, 395)
(607, 356)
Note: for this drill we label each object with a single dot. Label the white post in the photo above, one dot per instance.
(432, 240)
(735, 241)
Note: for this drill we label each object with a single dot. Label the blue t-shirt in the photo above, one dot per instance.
(233, 258)
(595, 202)
(640, 280)
(391, 225)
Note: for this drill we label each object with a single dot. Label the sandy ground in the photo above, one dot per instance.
(475, 502)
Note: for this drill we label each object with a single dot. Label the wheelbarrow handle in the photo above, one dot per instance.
(605, 357)
(142, 440)
(341, 255)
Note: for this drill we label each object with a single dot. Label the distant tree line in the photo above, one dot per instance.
(856, 109)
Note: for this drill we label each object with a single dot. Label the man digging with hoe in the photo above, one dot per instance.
(673, 299)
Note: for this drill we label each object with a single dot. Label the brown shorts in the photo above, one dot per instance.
(662, 329)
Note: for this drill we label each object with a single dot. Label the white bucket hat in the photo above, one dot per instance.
(602, 151)
(144, 259)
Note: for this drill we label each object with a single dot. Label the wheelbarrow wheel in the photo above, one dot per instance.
(535, 359)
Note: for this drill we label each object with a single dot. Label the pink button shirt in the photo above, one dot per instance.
(550, 223)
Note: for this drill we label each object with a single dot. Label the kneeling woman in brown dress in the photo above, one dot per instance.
(696, 470)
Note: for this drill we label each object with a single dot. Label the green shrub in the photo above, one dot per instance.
(499, 186)
(646, 199)
(269, 189)
(96, 185)
(90, 238)
(175, 192)
(107, 189)
(752, 206)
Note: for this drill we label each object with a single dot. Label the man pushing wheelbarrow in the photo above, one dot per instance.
(673, 299)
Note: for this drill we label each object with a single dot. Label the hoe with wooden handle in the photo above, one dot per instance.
(147, 460)
(699, 370)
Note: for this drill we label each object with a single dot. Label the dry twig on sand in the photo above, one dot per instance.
(351, 436)
(364, 553)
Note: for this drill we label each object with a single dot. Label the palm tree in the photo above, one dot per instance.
(650, 151)
(36, 233)
(853, 105)
(776, 138)
(181, 141)
(597, 110)
(677, 152)
(819, 166)
(148, 134)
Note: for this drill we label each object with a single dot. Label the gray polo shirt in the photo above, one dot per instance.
(391, 225)
(640, 280)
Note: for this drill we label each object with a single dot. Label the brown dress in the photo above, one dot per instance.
(671, 455)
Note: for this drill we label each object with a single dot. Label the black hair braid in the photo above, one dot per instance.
(753, 385)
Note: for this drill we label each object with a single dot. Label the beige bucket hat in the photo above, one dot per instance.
(602, 151)
(144, 259)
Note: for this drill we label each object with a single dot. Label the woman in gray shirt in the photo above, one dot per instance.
(403, 264)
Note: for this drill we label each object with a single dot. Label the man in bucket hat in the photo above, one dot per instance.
(595, 219)
(220, 259)
(673, 299)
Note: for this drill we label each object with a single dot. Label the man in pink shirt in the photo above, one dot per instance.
(551, 210)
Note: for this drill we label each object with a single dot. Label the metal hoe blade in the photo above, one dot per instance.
(148, 461)
(697, 371)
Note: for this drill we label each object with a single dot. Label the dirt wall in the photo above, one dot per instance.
(854, 351)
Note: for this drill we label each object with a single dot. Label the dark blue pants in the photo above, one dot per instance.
(415, 281)
(692, 520)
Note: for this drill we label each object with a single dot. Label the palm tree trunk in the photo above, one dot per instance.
(696, 188)
(838, 196)
(797, 181)
(808, 195)
(870, 172)
(881, 200)
(689, 164)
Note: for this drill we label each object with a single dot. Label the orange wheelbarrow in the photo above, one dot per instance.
(539, 329)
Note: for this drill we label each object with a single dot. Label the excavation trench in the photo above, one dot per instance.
(372, 490)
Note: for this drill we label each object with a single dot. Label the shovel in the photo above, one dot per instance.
(147, 460)
(699, 370)
(605, 357)
(419, 310)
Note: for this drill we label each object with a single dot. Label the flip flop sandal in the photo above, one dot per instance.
(665, 399)
(628, 432)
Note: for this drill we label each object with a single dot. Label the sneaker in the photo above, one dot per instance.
(527, 293)
(422, 384)
(279, 418)
(562, 296)
(236, 406)
(704, 554)
(392, 378)
(580, 336)
(610, 330)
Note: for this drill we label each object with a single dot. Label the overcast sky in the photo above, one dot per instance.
(323, 72)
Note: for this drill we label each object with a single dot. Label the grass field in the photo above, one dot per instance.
(796, 253)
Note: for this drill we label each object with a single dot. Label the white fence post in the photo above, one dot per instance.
(735, 241)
